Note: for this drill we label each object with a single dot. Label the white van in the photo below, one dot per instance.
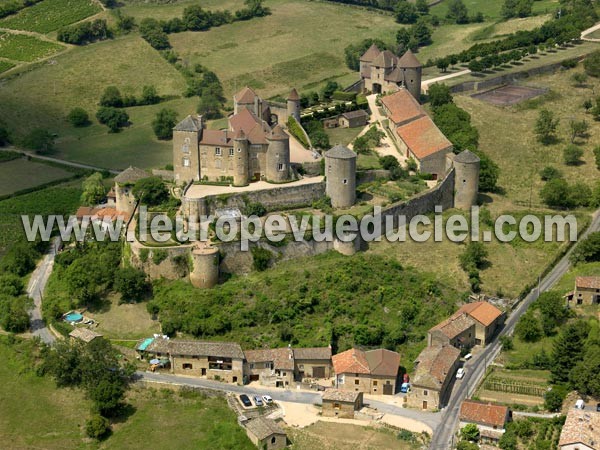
(460, 373)
(580, 404)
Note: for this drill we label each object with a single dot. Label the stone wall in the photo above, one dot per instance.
(368, 176)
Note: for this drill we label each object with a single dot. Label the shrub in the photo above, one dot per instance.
(591, 64)
(85, 32)
(40, 140)
(159, 256)
(587, 250)
(163, 123)
(150, 191)
(550, 173)
(111, 97)
(554, 398)
(261, 258)
(113, 118)
(572, 155)
(78, 117)
(97, 427)
(296, 130)
(255, 209)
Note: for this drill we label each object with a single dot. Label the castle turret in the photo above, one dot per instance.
(340, 170)
(278, 156)
(293, 105)
(205, 273)
(241, 157)
(411, 69)
(186, 135)
(124, 182)
(466, 179)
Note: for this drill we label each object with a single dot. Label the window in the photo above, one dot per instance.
(186, 162)
(185, 148)
(356, 381)
(329, 169)
(280, 167)
(187, 366)
(273, 440)
(218, 363)
(231, 152)
(218, 151)
(374, 382)
(218, 163)
(345, 181)
(424, 392)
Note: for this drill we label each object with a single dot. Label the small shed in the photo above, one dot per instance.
(266, 434)
(341, 404)
(353, 119)
(84, 334)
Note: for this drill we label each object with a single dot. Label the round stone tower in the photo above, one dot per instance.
(205, 273)
(293, 105)
(466, 179)
(278, 156)
(340, 170)
(411, 72)
(240, 155)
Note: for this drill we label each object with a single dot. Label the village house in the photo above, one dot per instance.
(372, 372)
(581, 431)
(266, 433)
(342, 404)
(586, 292)
(415, 134)
(223, 361)
(490, 419)
(312, 362)
(84, 335)
(435, 369)
(350, 119)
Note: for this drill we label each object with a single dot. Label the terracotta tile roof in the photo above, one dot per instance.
(454, 325)
(282, 358)
(385, 59)
(423, 137)
(434, 365)
(196, 348)
(383, 362)
(245, 96)
(587, 282)
(103, 214)
(262, 428)
(350, 361)
(402, 107)
(217, 137)
(84, 334)
(372, 53)
(483, 413)
(335, 395)
(409, 60)
(313, 353)
(581, 427)
(483, 312)
(255, 129)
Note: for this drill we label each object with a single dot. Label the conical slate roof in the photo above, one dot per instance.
(293, 95)
(340, 152)
(466, 157)
(190, 123)
(370, 54)
(131, 175)
(409, 61)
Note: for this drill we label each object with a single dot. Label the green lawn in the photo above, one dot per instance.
(22, 174)
(50, 15)
(342, 136)
(20, 47)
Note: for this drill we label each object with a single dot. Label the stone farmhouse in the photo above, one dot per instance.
(415, 134)
(490, 419)
(435, 368)
(382, 72)
(84, 335)
(266, 433)
(473, 324)
(280, 367)
(372, 372)
(253, 147)
(223, 361)
(581, 431)
(586, 292)
(342, 404)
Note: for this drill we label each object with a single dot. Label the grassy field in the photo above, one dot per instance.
(342, 135)
(168, 10)
(491, 9)
(22, 174)
(5, 65)
(50, 15)
(20, 47)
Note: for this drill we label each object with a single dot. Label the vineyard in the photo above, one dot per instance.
(513, 386)
(50, 15)
(20, 47)
(5, 65)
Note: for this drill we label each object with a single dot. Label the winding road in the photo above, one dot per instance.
(475, 369)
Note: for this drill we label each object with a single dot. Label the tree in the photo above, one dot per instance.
(442, 64)
(550, 173)
(97, 427)
(149, 95)
(470, 432)
(578, 129)
(422, 7)
(466, 445)
(421, 33)
(552, 311)
(152, 32)
(528, 327)
(4, 136)
(556, 193)
(545, 126)
(457, 11)
(13, 313)
(475, 65)
(151, 191)
(406, 12)
(11, 285)
(474, 256)
(587, 250)
(111, 97)
(554, 398)
(255, 209)
(78, 117)
(209, 106)
(329, 89)
(567, 349)
(591, 64)
(40, 140)
(439, 94)
(403, 37)
(131, 283)
(93, 190)
(572, 155)
(113, 118)
(585, 376)
(580, 194)
(163, 123)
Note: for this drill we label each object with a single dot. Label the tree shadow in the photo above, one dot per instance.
(124, 412)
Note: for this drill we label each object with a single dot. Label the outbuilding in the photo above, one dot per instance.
(342, 404)
(266, 434)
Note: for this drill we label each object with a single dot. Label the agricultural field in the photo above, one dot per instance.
(50, 15)
(20, 174)
(20, 47)
(141, 9)
(523, 387)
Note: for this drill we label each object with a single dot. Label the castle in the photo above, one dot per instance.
(382, 72)
(253, 147)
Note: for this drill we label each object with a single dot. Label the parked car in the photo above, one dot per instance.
(580, 404)
(258, 400)
(245, 400)
(460, 373)
(405, 388)
(267, 399)
(468, 356)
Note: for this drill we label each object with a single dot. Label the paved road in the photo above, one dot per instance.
(288, 395)
(59, 161)
(35, 289)
(475, 369)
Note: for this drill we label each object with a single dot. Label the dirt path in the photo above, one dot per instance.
(590, 30)
(426, 83)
